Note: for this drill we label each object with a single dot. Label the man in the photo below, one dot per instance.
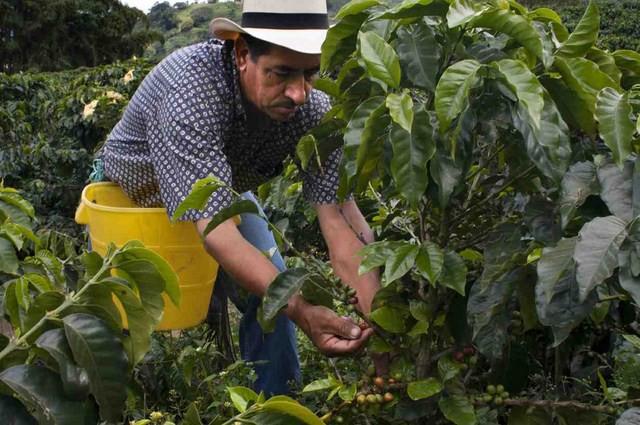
(236, 109)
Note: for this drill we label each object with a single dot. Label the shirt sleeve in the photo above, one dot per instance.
(320, 186)
(189, 148)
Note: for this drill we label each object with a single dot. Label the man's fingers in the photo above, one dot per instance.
(347, 329)
(335, 346)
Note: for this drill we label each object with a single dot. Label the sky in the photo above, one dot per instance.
(145, 5)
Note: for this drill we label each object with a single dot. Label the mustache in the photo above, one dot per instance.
(289, 105)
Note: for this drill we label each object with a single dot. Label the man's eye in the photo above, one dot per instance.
(281, 73)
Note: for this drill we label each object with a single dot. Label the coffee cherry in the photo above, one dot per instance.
(491, 389)
(504, 394)
(353, 300)
(372, 399)
(499, 388)
(498, 401)
(388, 397)
(379, 398)
(458, 356)
(378, 382)
(339, 419)
(361, 399)
(469, 351)
(391, 381)
(397, 376)
(487, 398)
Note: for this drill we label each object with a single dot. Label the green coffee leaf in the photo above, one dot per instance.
(12, 408)
(199, 195)
(430, 261)
(446, 173)
(243, 206)
(97, 350)
(305, 150)
(617, 189)
(458, 409)
(577, 185)
(424, 389)
(452, 92)
(596, 253)
(554, 263)
(321, 385)
(75, 380)
(283, 287)
(286, 405)
(401, 109)
(390, 319)
(454, 272)
(411, 152)
(41, 390)
(584, 78)
(8, 257)
(241, 397)
(463, 11)
(613, 112)
(354, 7)
(515, 26)
(379, 59)
(340, 41)
(585, 34)
(526, 87)
(419, 55)
(548, 146)
(399, 262)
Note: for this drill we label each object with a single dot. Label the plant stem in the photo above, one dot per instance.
(70, 299)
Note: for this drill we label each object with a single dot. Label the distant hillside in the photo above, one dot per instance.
(183, 24)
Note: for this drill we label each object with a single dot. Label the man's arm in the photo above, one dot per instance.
(254, 272)
(346, 231)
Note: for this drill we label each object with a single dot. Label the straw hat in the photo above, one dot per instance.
(299, 25)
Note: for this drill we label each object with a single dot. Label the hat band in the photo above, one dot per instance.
(286, 21)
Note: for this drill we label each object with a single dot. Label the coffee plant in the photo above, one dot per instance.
(50, 127)
(501, 150)
(68, 360)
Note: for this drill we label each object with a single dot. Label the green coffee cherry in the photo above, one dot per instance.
(491, 389)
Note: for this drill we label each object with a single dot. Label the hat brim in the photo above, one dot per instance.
(303, 41)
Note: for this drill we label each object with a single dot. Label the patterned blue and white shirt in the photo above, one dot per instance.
(187, 121)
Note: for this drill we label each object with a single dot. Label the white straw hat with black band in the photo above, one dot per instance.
(299, 25)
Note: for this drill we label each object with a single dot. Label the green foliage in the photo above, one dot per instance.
(183, 24)
(50, 36)
(50, 126)
(70, 360)
(503, 222)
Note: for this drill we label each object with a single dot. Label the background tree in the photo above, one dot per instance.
(43, 35)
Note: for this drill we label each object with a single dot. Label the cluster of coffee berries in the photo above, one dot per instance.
(494, 394)
(349, 297)
(466, 352)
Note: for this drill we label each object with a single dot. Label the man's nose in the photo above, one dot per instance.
(297, 90)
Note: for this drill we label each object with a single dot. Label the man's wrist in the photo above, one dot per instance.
(295, 308)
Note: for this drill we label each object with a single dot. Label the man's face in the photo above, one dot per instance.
(277, 82)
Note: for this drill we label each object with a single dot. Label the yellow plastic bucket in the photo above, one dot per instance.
(113, 217)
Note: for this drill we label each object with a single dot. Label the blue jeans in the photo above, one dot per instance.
(276, 352)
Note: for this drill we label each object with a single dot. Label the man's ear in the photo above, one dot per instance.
(241, 51)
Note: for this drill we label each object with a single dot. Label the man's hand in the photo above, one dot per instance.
(331, 334)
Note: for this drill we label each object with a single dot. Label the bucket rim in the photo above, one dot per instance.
(134, 210)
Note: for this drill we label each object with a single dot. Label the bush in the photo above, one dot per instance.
(50, 126)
